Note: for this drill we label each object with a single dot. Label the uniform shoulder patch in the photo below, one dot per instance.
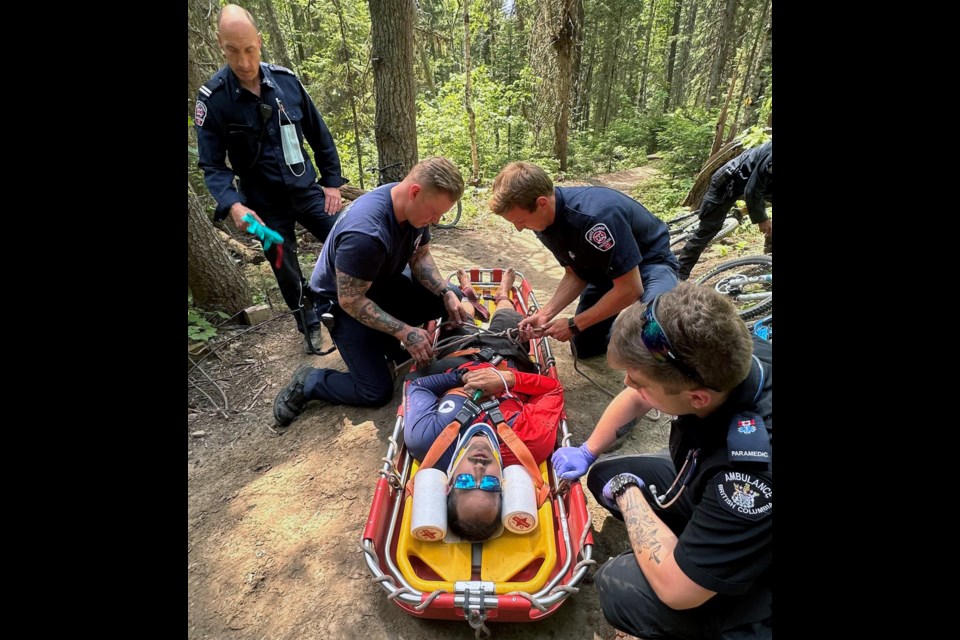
(745, 495)
(211, 85)
(600, 237)
(200, 113)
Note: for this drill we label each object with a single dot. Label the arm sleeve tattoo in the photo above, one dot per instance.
(351, 293)
(425, 270)
(642, 528)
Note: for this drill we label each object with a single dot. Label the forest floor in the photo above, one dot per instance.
(275, 520)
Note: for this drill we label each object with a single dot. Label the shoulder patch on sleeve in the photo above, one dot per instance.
(745, 495)
(208, 87)
(200, 114)
(600, 237)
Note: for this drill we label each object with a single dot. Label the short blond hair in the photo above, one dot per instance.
(519, 184)
(704, 331)
(438, 174)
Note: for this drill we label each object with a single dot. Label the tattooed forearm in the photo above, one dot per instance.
(350, 289)
(642, 527)
(376, 318)
(424, 269)
(352, 296)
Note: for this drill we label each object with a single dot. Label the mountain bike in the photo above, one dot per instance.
(684, 227)
(748, 282)
(448, 221)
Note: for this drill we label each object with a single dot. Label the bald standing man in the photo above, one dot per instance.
(251, 121)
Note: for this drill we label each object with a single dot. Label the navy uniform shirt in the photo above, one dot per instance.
(727, 544)
(232, 123)
(602, 234)
(367, 243)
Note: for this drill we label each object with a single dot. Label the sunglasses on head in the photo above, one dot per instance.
(655, 340)
(467, 481)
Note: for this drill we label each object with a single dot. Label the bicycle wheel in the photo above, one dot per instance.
(449, 220)
(683, 223)
(747, 281)
(729, 224)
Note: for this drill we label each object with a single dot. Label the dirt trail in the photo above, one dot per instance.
(274, 521)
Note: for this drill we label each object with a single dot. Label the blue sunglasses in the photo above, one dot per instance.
(655, 340)
(467, 481)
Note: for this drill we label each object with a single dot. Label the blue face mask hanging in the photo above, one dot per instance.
(292, 154)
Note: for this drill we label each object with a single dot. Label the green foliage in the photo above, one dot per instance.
(758, 134)
(621, 146)
(663, 195)
(687, 136)
(199, 327)
(443, 125)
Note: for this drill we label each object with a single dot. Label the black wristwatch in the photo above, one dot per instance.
(573, 326)
(620, 483)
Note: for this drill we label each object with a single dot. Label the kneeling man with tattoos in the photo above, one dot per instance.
(700, 522)
(377, 278)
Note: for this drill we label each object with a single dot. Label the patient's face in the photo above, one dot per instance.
(478, 461)
(479, 506)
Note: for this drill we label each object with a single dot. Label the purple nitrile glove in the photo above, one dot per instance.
(607, 497)
(572, 462)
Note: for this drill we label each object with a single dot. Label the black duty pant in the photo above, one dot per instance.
(281, 212)
(628, 601)
(712, 213)
(369, 380)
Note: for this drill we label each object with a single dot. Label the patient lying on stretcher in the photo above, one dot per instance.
(474, 453)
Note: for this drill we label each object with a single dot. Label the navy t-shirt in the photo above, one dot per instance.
(367, 243)
(602, 234)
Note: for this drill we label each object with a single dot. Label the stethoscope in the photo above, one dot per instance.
(691, 461)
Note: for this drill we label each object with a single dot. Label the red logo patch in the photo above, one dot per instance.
(520, 522)
(600, 237)
(200, 114)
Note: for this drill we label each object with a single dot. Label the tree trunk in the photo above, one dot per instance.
(300, 25)
(395, 122)
(702, 182)
(611, 56)
(216, 282)
(725, 37)
(426, 68)
(468, 97)
(679, 93)
(276, 46)
(351, 87)
(567, 35)
(641, 95)
(722, 120)
(203, 54)
(584, 89)
(672, 56)
(577, 99)
(761, 78)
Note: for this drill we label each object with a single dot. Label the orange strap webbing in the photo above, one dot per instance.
(447, 437)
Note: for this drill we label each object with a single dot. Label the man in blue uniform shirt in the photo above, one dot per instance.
(699, 522)
(377, 279)
(614, 251)
(257, 116)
